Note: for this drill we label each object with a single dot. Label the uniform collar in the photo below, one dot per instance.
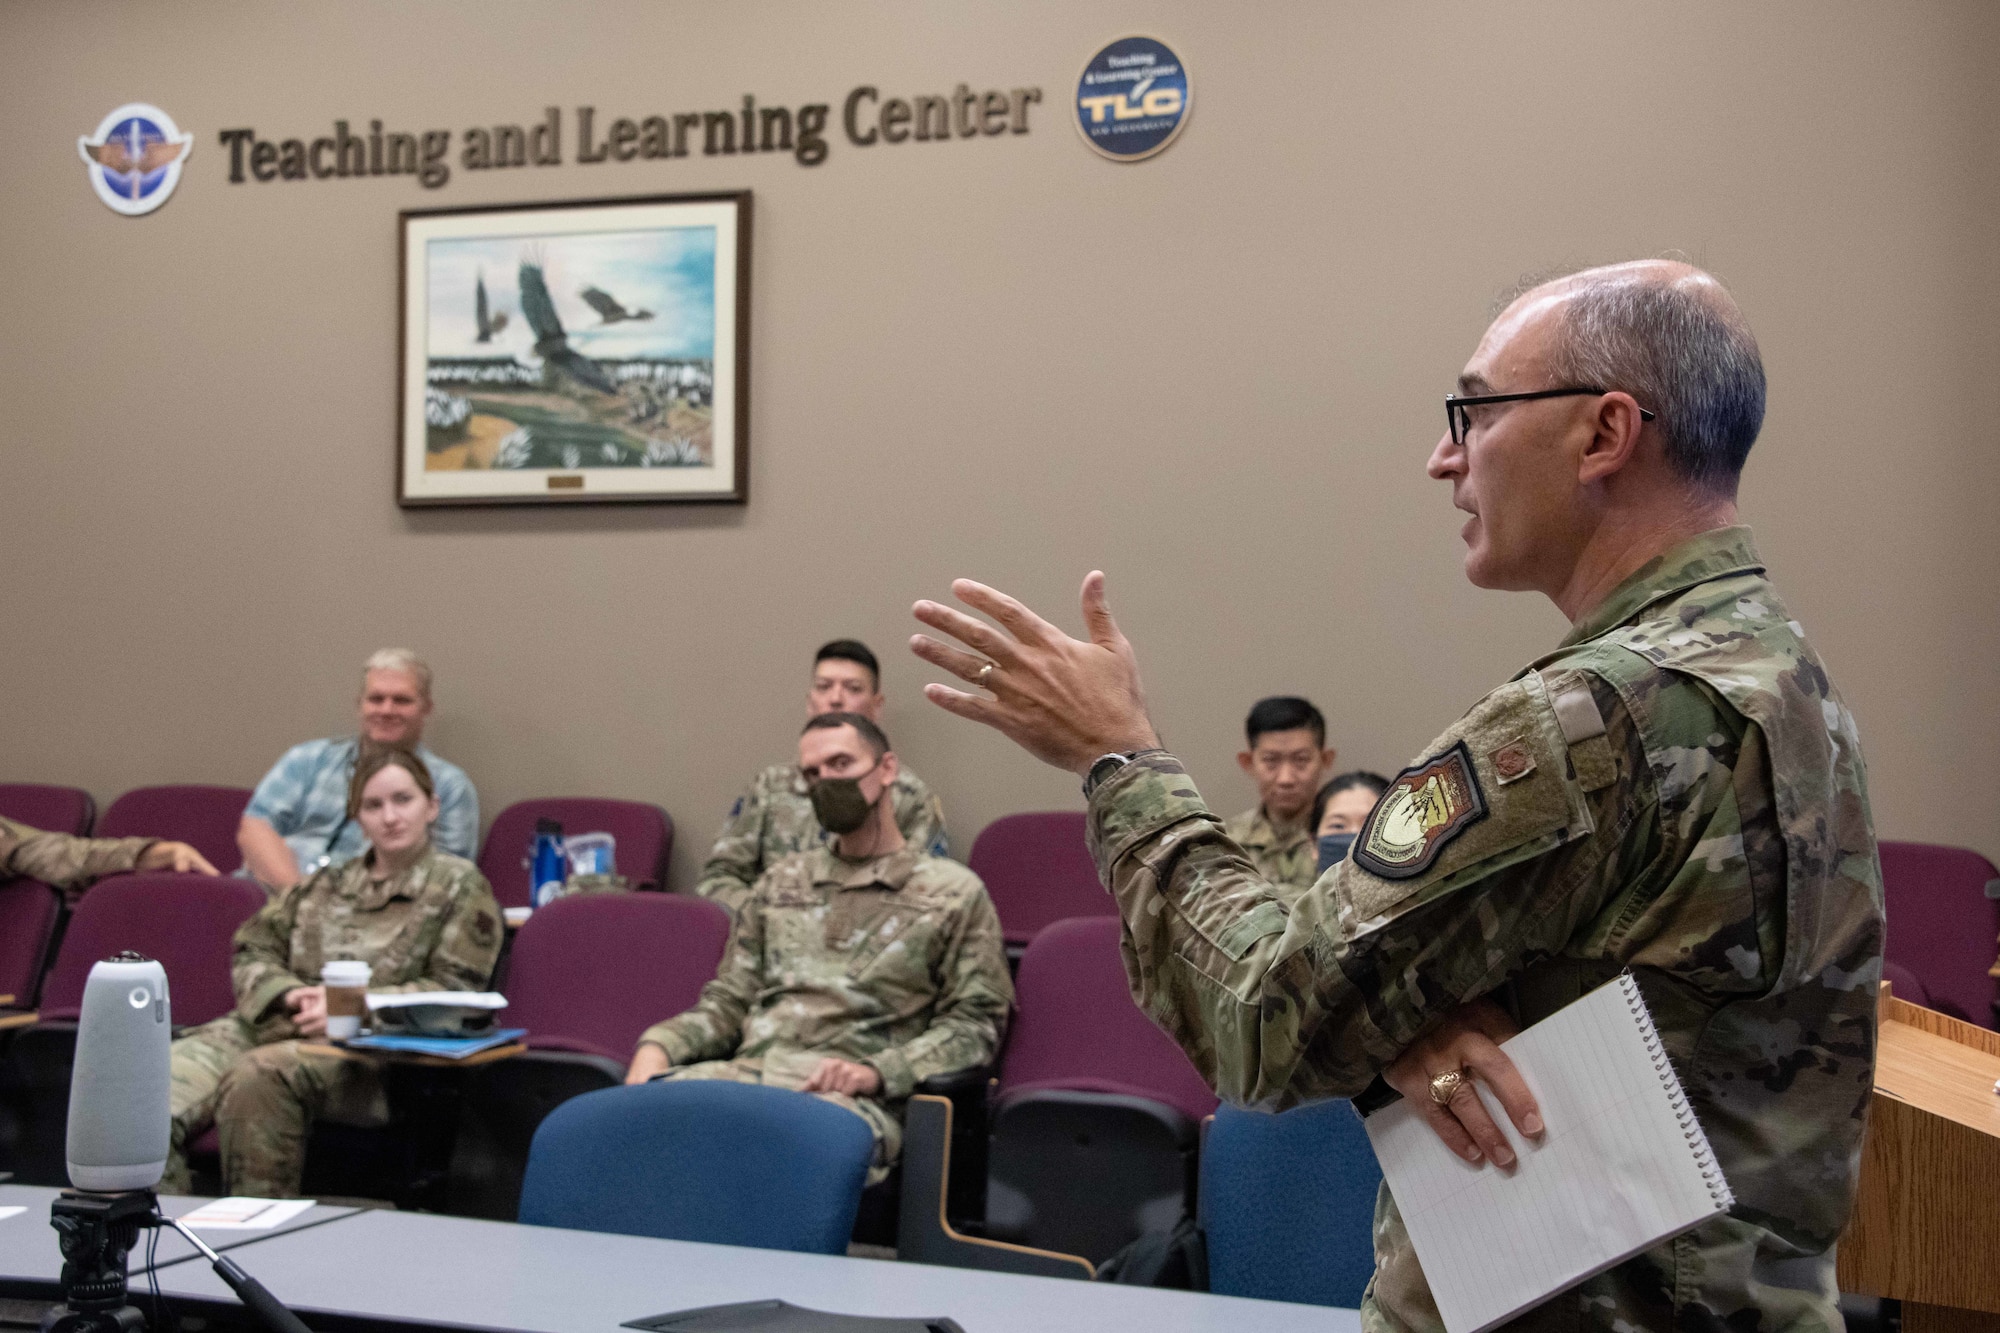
(371, 896)
(1712, 555)
(892, 870)
(1265, 832)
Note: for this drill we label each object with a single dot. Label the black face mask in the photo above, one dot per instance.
(1333, 849)
(839, 805)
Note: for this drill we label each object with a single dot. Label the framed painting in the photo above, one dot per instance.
(575, 353)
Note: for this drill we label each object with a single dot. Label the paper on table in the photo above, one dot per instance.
(466, 999)
(12, 1210)
(239, 1214)
(1623, 1166)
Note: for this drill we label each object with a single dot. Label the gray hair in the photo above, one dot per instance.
(1680, 346)
(399, 659)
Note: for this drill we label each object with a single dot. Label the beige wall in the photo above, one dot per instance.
(1215, 374)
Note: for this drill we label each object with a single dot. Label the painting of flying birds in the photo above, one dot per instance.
(574, 352)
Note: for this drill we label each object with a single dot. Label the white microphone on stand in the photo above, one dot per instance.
(120, 1129)
(120, 1117)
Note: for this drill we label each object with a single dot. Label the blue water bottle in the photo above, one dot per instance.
(546, 863)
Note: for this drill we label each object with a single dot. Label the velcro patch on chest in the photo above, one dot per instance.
(1425, 807)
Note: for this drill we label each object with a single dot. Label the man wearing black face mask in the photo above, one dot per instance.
(857, 969)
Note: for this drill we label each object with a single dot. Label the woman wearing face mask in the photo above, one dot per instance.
(421, 919)
(1339, 811)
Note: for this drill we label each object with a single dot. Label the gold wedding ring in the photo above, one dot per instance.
(984, 672)
(1445, 1086)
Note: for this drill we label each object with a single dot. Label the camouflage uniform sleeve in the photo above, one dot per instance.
(1281, 997)
(713, 1029)
(63, 861)
(970, 1013)
(469, 943)
(738, 855)
(262, 966)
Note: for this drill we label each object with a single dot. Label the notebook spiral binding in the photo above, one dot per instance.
(1691, 1130)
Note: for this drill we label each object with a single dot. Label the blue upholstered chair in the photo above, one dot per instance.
(731, 1163)
(1288, 1204)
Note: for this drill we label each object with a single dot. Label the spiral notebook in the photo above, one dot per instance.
(1623, 1165)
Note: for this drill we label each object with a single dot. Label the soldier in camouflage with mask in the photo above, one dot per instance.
(1676, 789)
(857, 969)
(420, 918)
(774, 818)
(70, 863)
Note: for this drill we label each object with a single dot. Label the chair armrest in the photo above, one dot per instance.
(923, 1233)
(966, 1090)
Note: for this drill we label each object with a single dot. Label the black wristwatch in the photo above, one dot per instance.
(1101, 771)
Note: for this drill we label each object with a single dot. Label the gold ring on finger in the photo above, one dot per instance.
(1445, 1086)
(984, 672)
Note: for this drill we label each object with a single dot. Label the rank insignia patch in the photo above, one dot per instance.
(1423, 810)
(1512, 761)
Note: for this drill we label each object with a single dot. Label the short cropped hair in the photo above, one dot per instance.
(374, 758)
(1284, 712)
(1359, 777)
(398, 659)
(851, 650)
(1683, 350)
(873, 736)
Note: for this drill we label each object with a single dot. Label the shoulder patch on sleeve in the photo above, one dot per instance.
(1424, 808)
(1494, 791)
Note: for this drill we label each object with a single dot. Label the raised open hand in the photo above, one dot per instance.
(1063, 700)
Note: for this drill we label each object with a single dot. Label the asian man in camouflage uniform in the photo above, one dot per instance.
(1676, 789)
(69, 863)
(422, 920)
(774, 817)
(1288, 759)
(857, 969)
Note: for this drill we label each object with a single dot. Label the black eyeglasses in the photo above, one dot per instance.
(1458, 415)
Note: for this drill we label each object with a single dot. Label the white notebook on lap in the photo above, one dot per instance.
(1623, 1165)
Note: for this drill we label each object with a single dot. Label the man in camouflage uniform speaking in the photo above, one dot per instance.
(421, 919)
(1676, 789)
(857, 969)
(774, 818)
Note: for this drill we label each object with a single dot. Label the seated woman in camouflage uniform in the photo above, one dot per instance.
(420, 918)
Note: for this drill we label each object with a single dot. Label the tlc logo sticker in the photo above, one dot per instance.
(135, 158)
(1133, 99)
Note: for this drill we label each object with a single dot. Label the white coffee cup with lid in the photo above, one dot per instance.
(346, 981)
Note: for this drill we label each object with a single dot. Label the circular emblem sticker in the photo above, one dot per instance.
(135, 158)
(1133, 99)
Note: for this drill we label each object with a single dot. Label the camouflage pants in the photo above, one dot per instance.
(264, 1099)
(790, 1072)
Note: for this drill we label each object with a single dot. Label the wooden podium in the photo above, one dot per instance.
(1926, 1223)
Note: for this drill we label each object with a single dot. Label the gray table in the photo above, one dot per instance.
(450, 1270)
(28, 1244)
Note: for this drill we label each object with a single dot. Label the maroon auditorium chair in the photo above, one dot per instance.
(588, 975)
(29, 910)
(187, 922)
(644, 833)
(205, 818)
(1942, 924)
(1097, 1116)
(1038, 870)
(51, 809)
